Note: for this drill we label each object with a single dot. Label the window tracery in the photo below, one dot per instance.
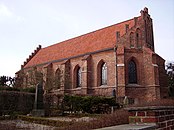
(104, 74)
(132, 72)
(79, 77)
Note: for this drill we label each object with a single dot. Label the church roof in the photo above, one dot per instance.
(94, 41)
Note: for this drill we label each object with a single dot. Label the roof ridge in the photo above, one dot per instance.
(62, 42)
(104, 38)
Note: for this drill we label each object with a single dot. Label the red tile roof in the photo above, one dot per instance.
(94, 41)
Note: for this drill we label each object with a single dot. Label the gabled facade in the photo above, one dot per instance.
(119, 58)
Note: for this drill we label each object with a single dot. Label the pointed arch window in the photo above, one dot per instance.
(103, 74)
(79, 77)
(132, 72)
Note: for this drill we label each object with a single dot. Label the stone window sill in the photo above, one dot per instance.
(133, 85)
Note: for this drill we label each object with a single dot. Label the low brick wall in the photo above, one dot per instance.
(162, 116)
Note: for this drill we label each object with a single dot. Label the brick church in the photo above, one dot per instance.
(118, 59)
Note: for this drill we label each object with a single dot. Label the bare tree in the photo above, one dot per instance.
(170, 73)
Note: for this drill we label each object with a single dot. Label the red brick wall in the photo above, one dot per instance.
(150, 67)
(148, 72)
(89, 74)
(162, 77)
(163, 117)
(109, 58)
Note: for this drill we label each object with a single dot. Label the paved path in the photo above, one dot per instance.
(149, 126)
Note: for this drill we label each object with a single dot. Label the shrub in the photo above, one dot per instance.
(89, 104)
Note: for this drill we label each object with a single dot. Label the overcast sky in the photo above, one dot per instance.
(24, 24)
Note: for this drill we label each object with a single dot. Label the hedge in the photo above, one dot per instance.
(15, 102)
(30, 90)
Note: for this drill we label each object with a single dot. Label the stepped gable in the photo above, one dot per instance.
(32, 55)
(94, 41)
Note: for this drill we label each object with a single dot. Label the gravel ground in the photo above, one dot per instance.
(72, 119)
(22, 125)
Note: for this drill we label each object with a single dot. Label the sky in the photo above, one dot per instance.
(25, 24)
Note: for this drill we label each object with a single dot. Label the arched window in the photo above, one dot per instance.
(138, 37)
(131, 39)
(132, 72)
(103, 74)
(79, 77)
